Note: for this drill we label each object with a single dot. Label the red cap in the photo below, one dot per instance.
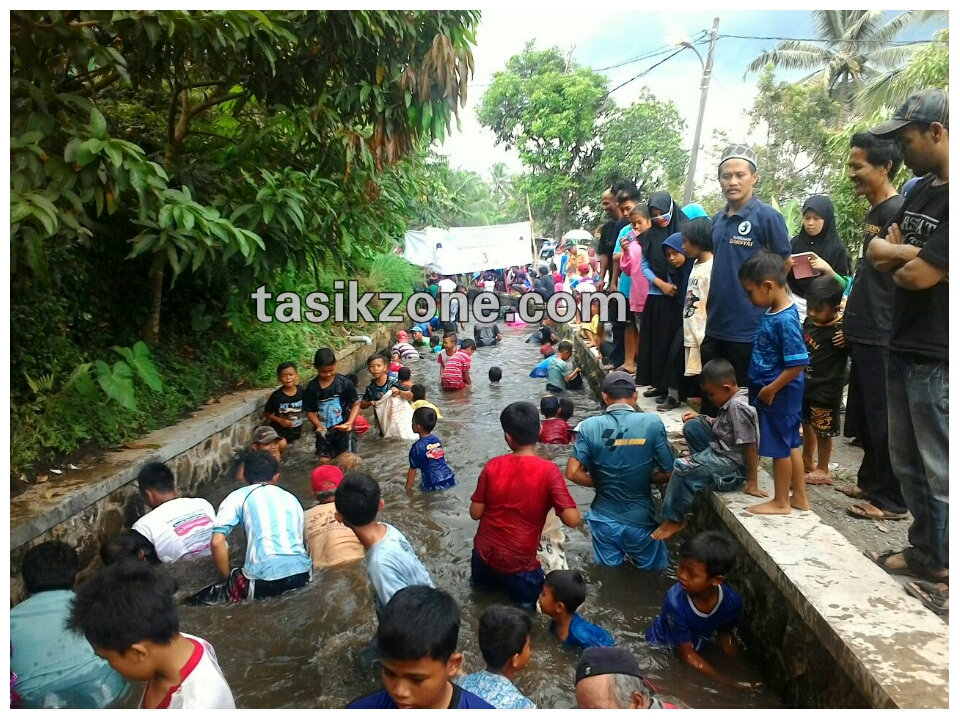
(326, 478)
(584, 269)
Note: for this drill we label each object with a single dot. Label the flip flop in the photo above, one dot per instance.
(930, 595)
(880, 559)
(852, 491)
(860, 511)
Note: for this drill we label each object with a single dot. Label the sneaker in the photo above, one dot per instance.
(652, 392)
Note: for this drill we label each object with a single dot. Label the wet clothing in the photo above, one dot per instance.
(517, 492)
(826, 244)
(523, 588)
(392, 565)
(455, 371)
(374, 393)
(681, 622)
(179, 528)
(555, 431)
(202, 686)
(557, 371)
(540, 369)
(461, 700)
(289, 407)
(56, 668)
(427, 456)
(485, 334)
(584, 634)
(496, 690)
(333, 405)
(329, 542)
(755, 227)
(417, 404)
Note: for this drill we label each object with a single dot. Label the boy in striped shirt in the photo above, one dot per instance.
(456, 370)
(276, 560)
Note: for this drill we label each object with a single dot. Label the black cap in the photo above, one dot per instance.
(927, 106)
(618, 380)
(607, 661)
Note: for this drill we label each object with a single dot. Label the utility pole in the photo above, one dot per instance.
(704, 87)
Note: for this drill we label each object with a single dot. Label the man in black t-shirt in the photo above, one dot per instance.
(873, 163)
(915, 250)
(608, 238)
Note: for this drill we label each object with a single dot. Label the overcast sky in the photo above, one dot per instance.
(604, 35)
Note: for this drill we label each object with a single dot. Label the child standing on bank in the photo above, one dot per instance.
(697, 244)
(776, 380)
(284, 408)
(563, 592)
(823, 390)
(701, 605)
(427, 455)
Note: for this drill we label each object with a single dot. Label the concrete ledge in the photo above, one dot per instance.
(893, 651)
(85, 505)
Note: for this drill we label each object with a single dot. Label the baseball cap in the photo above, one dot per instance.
(607, 661)
(570, 243)
(927, 106)
(742, 152)
(414, 330)
(326, 478)
(618, 380)
(264, 435)
(402, 336)
(583, 269)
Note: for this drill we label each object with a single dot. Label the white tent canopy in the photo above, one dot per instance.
(580, 236)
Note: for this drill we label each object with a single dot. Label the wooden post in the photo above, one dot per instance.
(533, 241)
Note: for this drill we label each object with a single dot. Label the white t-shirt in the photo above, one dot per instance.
(447, 285)
(179, 528)
(203, 686)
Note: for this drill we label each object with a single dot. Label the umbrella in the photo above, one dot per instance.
(578, 235)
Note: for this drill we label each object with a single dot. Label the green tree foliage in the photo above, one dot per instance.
(217, 150)
(548, 109)
(929, 67)
(855, 47)
(643, 143)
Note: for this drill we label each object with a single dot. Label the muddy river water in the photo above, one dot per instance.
(300, 650)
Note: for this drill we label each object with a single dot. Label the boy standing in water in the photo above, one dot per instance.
(284, 408)
(504, 636)
(332, 406)
(456, 370)
(427, 455)
(513, 496)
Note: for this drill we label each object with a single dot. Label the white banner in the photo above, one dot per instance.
(470, 249)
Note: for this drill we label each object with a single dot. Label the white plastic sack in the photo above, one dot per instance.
(550, 552)
(395, 417)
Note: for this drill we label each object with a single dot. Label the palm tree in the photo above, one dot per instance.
(501, 185)
(854, 47)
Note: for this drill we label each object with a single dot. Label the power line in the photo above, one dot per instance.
(648, 70)
(821, 40)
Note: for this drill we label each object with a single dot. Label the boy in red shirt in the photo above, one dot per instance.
(555, 430)
(514, 494)
(456, 371)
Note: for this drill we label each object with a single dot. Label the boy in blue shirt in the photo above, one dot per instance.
(427, 456)
(418, 636)
(701, 605)
(563, 592)
(776, 379)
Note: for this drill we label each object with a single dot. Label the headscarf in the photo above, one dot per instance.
(651, 241)
(827, 244)
(694, 211)
(679, 276)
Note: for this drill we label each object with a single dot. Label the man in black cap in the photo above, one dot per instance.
(743, 228)
(914, 249)
(619, 454)
(609, 678)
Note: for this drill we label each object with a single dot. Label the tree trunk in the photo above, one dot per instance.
(151, 330)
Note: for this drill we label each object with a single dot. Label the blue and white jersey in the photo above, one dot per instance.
(273, 521)
(496, 690)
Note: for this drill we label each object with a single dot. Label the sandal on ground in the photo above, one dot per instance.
(880, 559)
(869, 511)
(852, 491)
(932, 597)
(652, 392)
(811, 479)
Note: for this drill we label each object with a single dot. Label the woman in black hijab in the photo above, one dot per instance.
(818, 235)
(661, 314)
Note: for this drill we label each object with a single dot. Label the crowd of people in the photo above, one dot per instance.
(715, 306)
